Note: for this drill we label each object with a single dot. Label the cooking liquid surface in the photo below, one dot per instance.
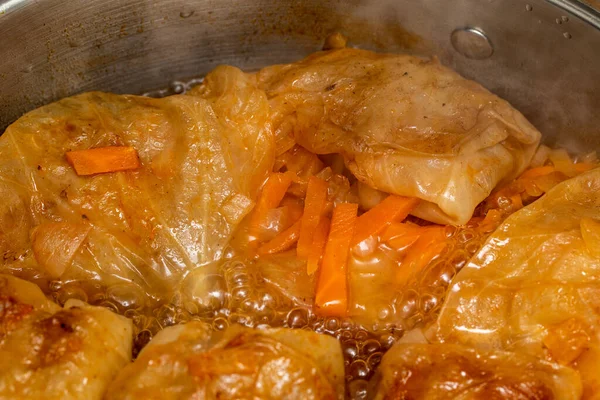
(234, 292)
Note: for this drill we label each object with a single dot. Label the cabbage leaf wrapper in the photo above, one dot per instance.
(455, 372)
(192, 361)
(49, 352)
(403, 124)
(534, 287)
(204, 157)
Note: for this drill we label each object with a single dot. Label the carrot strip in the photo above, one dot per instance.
(535, 172)
(400, 236)
(103, 159)
(583, 167)
(517, 201)
(429, 245)
(270, 196)
(377, 218)
(319, 241)
(314, 205)
(282, 241)
(331, 297)
(492, 219)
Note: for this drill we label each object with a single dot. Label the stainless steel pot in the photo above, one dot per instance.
(542, 55)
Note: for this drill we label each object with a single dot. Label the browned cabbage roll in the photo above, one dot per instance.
(534, 285)
(454, 372)
(203, 158)
(403, 124)
(193, 362)
(49, 352)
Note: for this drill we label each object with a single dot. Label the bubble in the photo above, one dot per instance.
(384, 313)
(177, 87)
(428, 303)
(241, 319)
(69, 292)
(374, 360)
(297, 318)
(358, 389)
(361, 335)
(465, 236)
(220, 324)
(567, 35)
(359, 370)
(387, 340)
(186, 14)
(344, 335)
(528, 7)
(370, 346)
(350, 348)
(126, 296)
(332, 324)
(408, 304)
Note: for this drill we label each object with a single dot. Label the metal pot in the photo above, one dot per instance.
(542, 55)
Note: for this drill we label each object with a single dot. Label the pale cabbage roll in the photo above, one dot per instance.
(51, 353)
(204, 157)
(403, 124)
(534, 286)
(454, 372)
(192, 362)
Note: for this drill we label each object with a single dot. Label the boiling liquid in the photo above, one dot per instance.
(233, 292)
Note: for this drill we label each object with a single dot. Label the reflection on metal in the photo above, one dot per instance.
(56, 48)
(472, 43)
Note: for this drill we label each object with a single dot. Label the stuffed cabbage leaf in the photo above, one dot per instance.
(403, 124)
(448, 371)
(192, 362)
(533, 287)
(49, 352)
(203, 158)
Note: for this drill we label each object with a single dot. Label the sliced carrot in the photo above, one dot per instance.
(270, 196)
(429, 245)
(535, 172)
(400, 236)
(516, 201)
(583, 167)
(314, 206)
(492, 219)
(372, 222)
(103, 159)
(281, 242)
(331, 297)
(318, 245)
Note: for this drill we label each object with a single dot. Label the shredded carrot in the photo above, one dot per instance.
(282, 241)
(429, 245)
(103, 159)
(535, 172)
(318, 244)
(270, 196)
(331, 297)
(372, 222)
(314, 206)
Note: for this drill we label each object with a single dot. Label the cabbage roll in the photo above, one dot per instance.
(49, 352)
(192, 362)
(203, 159)
(447, 371)
(534, 285)
(403, 124)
